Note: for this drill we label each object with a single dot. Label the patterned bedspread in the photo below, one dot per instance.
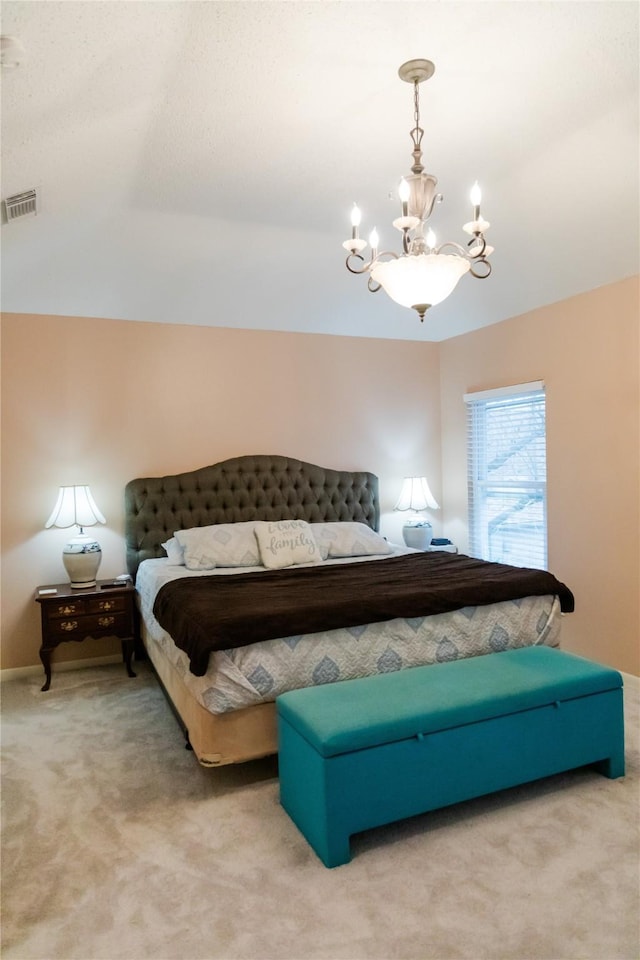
(204, 614)
(259, 672)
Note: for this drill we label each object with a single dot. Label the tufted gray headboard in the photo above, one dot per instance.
(243, 488)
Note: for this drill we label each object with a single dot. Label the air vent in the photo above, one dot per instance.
(21, 205)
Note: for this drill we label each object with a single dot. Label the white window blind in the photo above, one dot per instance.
(507, 475)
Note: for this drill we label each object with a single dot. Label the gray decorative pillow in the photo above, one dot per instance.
(220, 545)
(284, 543)
(349, 539)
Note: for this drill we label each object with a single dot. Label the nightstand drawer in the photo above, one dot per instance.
(109, 603)
(66, 608)
(88, 626)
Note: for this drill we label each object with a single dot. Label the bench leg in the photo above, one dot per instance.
(612, 767)
(334, 851)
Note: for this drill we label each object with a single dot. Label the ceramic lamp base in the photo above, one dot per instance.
(81, 557)
(417, 534)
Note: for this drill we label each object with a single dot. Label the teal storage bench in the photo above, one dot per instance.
(361, 753)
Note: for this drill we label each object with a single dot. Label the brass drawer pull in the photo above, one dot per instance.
(106, 621)
(69, 625)
(66, 610)
(106, 605)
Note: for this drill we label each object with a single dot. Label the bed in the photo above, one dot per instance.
(262, 574)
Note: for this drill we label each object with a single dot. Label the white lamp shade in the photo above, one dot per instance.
(416, 495)
(75, 505)
(425, 279)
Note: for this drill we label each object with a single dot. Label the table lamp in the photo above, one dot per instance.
(416, 495)
(81, 555)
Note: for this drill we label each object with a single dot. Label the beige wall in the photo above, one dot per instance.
(586, 350)
(102, 401)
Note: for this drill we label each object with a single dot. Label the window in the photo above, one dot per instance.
(507, 475)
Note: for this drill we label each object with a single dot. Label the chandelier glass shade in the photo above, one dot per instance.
(420, 281)
(424, 273)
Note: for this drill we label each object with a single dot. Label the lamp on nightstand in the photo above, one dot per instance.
(416, 495)
(81, 555)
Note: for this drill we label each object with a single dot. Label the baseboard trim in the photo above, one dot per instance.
(17, 673)
(631, 681)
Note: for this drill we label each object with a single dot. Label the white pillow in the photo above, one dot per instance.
(175, 553)
(283, 543)
(349, 539)
(220, 545)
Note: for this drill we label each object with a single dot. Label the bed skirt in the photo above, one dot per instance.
(216, 739)
(221, 736)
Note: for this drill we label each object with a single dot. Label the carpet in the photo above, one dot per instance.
(117, 844)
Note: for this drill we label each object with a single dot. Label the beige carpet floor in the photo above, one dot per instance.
(116, 844)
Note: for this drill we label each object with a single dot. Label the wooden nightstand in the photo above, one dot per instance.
(99, 611)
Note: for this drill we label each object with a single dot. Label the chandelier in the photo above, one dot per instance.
(425, 273)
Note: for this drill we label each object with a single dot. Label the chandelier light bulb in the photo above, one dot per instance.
(476, 197)
(355, 245)
(422, 274)
(404, 192)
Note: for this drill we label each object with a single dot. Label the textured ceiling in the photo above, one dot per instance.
(196, 161)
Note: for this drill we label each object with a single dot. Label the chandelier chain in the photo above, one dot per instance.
(417, 133)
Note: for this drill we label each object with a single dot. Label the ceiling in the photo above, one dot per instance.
(196, 162)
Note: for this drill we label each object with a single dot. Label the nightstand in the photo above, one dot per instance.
(100, 611)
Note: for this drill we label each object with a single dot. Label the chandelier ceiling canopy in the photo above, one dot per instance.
(425, 273)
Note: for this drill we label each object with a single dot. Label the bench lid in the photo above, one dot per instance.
(338, 718)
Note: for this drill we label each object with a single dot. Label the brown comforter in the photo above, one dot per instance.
(203, 614)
